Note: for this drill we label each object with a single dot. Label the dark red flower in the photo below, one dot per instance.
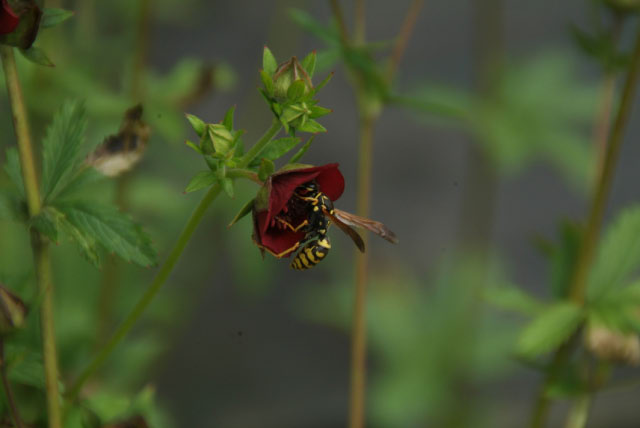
(278, 218)
(9, 20)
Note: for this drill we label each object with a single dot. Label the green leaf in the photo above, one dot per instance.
(197, 124)
(296, 90)
(227, 186)
(61, 148)
(267, 167)
(13, 170)
(276, 149)
(47, 223)
(86, 244)
(268, 85)
(246, 209)
(563, 258)
(79, 183)
(549, 329)
(54, 16)
(228, 118)
(115, 231)
(311, 126)
(193, 146)
(295, 158)
(618, 254)
(324, 82)
(309, 63)
(513, 298)
(201, 180)
(269, 63)
(37, 56)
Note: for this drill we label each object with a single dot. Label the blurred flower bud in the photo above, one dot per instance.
(12, 311)
(122, 151)
(291, 80)
(19, 22)
(612, 345)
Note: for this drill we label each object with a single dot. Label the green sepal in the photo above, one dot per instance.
(228, 118)
(311, 126)
(268, 84)
(52, 16)
(295, 92)
(37, 56)
(261, 202)
(267, 167)
(193, 146)
(317, 111)
(269, 63)
(246, 209)
(227, 186)
(309, 63)
(324, 82)
(197, 124)
(212, 162)
(302, 151)
(201, 180)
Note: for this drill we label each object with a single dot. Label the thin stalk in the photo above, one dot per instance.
(13, 408)
(403, 38)
(165, 270)
(39, 245)
(141, 49)
(359, 27)
(577, 290)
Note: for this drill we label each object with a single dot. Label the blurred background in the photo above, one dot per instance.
(237, 341)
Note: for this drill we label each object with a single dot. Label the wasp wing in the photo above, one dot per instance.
(355, 237)
(371, 225)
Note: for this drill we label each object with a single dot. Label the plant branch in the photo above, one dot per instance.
(338, 15)
(403, 38)
(586, 253)
(15, 414)
(142, 46)
(261, 143)
(359, 26)
(39, 245)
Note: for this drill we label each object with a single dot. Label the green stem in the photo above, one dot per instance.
(166, 269)
(261, 143)
(11, 401)
(40, 246)
(578, 287)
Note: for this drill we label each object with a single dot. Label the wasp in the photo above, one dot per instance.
(321, 213)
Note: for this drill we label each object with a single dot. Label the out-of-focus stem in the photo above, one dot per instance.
(141, 50)
(39, 245)
(13, 408)
(403, 38)
(359, 27)
(577, 290)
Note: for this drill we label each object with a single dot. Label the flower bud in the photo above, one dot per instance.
(19, 22)
(291, 80)
(12, 311)
(221, 138)
(612, 345)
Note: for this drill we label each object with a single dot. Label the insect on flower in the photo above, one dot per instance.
(294, 210)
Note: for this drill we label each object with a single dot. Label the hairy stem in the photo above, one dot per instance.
(40, 246)
(166, 268)
(13, 408)
(586, 253)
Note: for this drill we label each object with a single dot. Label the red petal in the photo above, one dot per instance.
(279, 242)
(283, 184)
(8, 19)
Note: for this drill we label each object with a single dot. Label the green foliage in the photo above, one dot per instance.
(512, 298)
(618, 255)
(52, 17)
(553, 326)
(602, 48)
(201, 180)
(562, 257)
(276, 149)
(269, 63)
(12, 168)
(61, 148)
(296, 157)
(37, 56)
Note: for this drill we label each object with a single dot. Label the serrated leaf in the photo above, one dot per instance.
(295, 158)
(267, 167)
(296, 90)
(115, 231)
(61, 148)
(228, 118)
(269, 63)
(246, 209)
(13, 170)
(549, 329)
(201, 180)
(24, 366)
(311, 126)
(309, 63)
(37, 56)
(79, 183)
(618, 254)
(47, 223)
(227, 186)
(86, 244)
(54, 16)
(197, 124)
(513, 298)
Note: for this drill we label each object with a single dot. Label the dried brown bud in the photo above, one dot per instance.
(613, 345)
(122, 151)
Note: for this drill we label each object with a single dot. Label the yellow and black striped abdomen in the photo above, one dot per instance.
(312, 253)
